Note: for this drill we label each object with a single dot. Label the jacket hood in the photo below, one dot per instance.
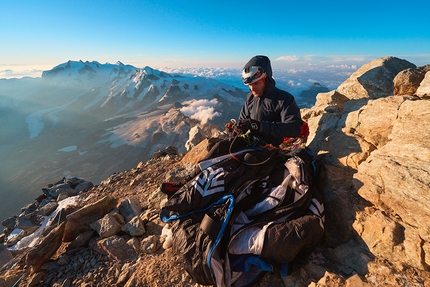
(264, 62)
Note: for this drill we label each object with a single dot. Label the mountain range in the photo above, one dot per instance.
(91, 120)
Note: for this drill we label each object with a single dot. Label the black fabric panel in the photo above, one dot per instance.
(283, 241)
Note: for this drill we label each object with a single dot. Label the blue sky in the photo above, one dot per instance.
(38, 35)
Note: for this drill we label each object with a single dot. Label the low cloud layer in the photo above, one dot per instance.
(201, 110)
(12, 73)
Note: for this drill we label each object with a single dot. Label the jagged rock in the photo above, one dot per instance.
(117, 247)
(15, 236)
(134, 227)
(153, 228)
(48, 208)
(149, 244)
(196, 154)
(80, 220)
(170, 150)
(84, 186)
(5, 255)
(44, 200)
(130, 208)
(352, 257)
(109, 224)
(381, 148)
(28, 223)
(45, 249)
(365, 122)
(423, 90)
(356, 281)
(375, 79)
(325, 102)
(396, 179)
(9, 223)
(62, 188)
(29, 208)
(73, 181)
(324, 116)
(135, 243)
(35, 279)
(407, 81)
(353, 135)
(81, 240)
(196, 135)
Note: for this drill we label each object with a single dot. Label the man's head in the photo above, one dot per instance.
(256, 74)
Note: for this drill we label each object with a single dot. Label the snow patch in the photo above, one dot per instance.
(35, 125)
(30, 240)
(68, 148)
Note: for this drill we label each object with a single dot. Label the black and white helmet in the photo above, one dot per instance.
(252, 74)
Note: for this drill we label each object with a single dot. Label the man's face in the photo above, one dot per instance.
(257, 88)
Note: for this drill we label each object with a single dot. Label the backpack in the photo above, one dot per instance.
(247, 215)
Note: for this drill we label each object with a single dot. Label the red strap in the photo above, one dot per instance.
(304, 132)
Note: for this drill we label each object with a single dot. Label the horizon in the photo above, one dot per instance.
(291, 80)
(197, 35)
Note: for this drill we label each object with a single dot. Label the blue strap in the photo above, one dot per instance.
(244, 263)
(223, 225)
(284, 269)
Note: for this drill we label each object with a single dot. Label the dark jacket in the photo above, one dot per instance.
(275, 109)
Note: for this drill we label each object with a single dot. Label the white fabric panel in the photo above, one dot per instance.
(249, 241)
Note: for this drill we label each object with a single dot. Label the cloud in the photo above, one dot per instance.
(342, 67)
(201, 110)
(9, 73)
(357, 59)
(288, 58)
(308, 58)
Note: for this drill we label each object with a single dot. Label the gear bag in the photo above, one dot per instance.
(241, 216)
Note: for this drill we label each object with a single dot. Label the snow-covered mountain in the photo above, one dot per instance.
(111, 91)
(307, 97)
(90, 120)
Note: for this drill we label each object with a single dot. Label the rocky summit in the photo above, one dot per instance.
(372, 133)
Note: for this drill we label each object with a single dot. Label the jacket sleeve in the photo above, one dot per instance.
(245, 112)
(289, 125)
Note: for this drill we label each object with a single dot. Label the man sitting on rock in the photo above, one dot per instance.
(269, 113)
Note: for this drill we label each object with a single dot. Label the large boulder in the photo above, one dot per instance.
(376, 147)
(395, 178)
(375, 79)
(79, 221)
(407, 81)
(47, 246)
(196, 135)
(423, 90)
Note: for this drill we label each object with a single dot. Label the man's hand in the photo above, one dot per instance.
(249, 124)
